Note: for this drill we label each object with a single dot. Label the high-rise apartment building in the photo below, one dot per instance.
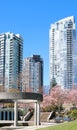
(11, 58)
(33, 74)
(62, 52)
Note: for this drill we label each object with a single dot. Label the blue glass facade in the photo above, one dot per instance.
(33, 74)
(63, 52)
(11, 47)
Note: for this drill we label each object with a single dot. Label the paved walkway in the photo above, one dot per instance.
(43, 124)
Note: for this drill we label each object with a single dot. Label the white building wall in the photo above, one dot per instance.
(62, 38)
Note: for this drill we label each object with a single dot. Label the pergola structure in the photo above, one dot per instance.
(23, 97)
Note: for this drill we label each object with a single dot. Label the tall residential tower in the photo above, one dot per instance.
(33, 74)
(62, 52)
(11, 57)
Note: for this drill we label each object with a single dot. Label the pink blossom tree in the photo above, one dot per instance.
(55, 98)
(72, 97)
(58, 97)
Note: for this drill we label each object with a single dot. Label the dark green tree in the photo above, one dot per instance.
(53, 83)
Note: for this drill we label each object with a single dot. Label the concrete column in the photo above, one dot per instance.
(35, 114)
(38, 113)
(7, 115)
(15, 113)
(12, 115)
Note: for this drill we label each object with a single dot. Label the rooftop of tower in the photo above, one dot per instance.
(67, 20)
(12, 34)
(72, 18)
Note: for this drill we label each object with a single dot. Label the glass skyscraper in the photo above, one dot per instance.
(33, 74)
(11, 58)
(63, 52)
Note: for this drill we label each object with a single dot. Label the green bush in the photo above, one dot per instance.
(73, 114)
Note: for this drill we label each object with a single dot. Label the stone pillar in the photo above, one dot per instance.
(35, 114)
(12, 115)
(7, 115)
(38, 113)
(15, 113)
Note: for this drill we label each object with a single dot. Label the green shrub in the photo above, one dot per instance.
(73, 114)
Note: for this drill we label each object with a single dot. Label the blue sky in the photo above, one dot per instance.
(32, 19)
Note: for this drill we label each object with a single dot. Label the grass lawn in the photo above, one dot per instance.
(66, 126)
